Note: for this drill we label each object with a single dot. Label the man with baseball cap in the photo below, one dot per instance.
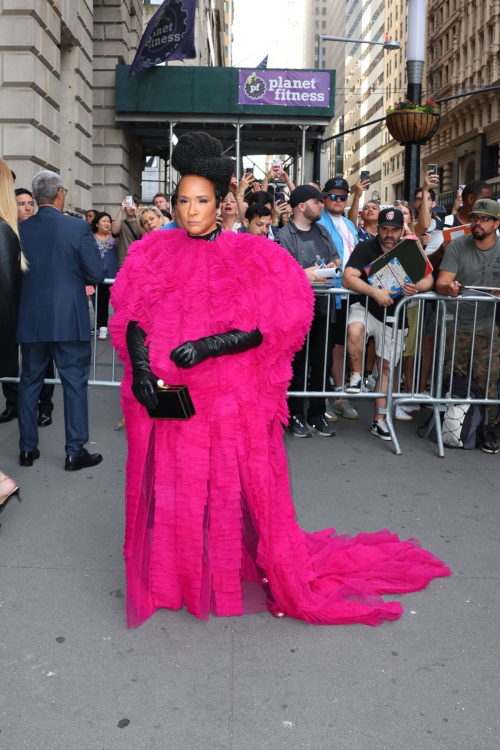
(363, 323)
(345, 238)
(474, 260)
(311, 246)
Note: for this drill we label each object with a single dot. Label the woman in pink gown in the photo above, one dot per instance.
(210, 522)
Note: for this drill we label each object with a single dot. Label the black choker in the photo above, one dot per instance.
(210, 237)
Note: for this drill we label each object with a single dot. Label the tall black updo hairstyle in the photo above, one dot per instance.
(201, 154)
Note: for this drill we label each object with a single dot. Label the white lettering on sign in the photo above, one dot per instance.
(281, 89)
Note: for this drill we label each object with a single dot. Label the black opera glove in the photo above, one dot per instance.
(143, 380)
(191, 353)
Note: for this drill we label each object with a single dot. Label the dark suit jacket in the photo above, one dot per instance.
(63, 257)
(10, 286)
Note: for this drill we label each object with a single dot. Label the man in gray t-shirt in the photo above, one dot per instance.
(472, 265)
(474, 260)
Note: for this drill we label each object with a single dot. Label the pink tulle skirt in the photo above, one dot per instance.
(215, 530)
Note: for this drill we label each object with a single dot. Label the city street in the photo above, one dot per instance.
(74, 678)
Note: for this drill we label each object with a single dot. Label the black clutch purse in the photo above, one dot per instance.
(174, 402)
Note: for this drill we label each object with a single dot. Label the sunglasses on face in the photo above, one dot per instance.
(334, 197)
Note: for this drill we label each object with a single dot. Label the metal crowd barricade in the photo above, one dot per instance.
(447, 323)
(332, 294)
(106, 371)
(101, 357)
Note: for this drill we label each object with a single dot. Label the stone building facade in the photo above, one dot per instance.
(57, 90)
(463, 54)
(57, 95)
(364, 90)
(392, 153)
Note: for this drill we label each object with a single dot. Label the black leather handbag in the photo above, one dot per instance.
(174, 402)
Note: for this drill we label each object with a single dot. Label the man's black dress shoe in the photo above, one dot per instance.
(26, 458)
(8, 415)
(86, 459)
(44, 420)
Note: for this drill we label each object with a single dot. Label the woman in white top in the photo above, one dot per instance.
(229, 214)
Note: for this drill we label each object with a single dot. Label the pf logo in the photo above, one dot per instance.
(389, 215)
(255, 87)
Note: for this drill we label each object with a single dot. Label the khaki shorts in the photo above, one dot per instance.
(358, 314)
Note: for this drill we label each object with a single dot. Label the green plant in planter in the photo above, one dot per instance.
(430, 107)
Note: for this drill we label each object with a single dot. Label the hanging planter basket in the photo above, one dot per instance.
(412, 126)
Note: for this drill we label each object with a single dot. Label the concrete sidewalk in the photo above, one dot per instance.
(74, 678)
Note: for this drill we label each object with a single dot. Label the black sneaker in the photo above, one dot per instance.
(354, 385)
(320, 426)
(380, 430)
(489, 444)
(298, 427)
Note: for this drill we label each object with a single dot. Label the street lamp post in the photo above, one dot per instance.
(388, 44)
(415, 57)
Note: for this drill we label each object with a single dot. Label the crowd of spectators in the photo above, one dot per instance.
(349, 346)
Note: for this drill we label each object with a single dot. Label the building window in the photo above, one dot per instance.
(316, 24)
(397, 162)
(398, 191)
(323, 24)
(386, 195)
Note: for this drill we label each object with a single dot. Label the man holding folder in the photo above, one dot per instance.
(362, 324)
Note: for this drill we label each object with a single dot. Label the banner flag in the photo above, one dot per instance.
(168, 36)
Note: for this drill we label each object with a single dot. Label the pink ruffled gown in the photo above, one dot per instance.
(209, 512)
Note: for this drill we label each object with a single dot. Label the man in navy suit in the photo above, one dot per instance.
(54, 321)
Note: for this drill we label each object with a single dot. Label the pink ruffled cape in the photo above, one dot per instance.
(209, 514)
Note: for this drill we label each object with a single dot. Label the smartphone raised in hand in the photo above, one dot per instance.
(364, 175)
(433, 168)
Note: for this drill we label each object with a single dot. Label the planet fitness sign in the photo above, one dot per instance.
(296, 88)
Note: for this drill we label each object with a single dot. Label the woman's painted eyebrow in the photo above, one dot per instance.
(187, 196)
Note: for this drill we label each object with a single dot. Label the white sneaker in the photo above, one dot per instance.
(402, 415)
(409, 408)
(103, 333)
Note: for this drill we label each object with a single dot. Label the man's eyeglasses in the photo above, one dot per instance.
(334, 197)
(481, 219)
(65, 190)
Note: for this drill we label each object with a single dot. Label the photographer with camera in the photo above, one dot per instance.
(311, 246)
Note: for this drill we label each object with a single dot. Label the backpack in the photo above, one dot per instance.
(462, 425)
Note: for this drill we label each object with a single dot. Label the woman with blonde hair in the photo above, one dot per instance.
(150, 219)
(11, 263)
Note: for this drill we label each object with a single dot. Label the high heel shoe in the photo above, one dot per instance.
(274, 609)
(4, 499)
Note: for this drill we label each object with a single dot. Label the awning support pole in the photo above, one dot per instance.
(303, 156)
(170, 172)
(238, 155)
